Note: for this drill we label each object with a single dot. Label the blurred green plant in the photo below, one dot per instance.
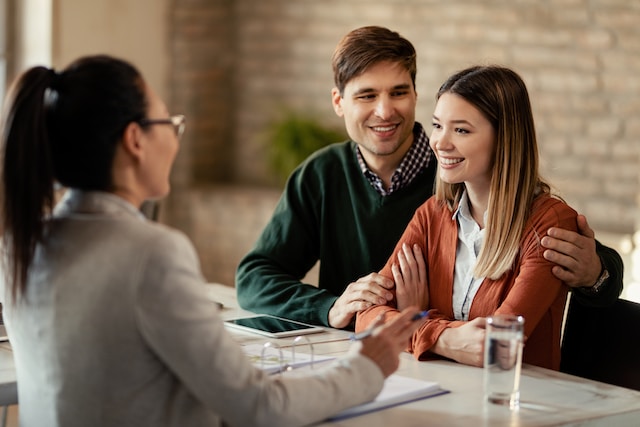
(293, 138)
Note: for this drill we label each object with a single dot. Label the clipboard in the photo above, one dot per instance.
(273, 359)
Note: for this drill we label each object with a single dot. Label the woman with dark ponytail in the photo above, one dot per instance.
(107, 315)
(46, 140)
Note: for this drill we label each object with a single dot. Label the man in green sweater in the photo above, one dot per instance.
(347, 205)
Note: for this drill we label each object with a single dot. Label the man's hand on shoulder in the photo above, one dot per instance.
(578, 264)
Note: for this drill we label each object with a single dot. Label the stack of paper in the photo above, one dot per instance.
(397, 390)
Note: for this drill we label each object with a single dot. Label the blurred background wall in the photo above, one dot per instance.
(236, 67)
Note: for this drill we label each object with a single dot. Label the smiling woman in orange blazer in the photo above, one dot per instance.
(473, 249)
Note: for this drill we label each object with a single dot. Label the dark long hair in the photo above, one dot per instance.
(60, 127)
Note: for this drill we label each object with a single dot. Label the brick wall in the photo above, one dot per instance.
(237, 64)
(223, 221)
(202, 51)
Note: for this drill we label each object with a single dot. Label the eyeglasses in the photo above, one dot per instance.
(178, 122)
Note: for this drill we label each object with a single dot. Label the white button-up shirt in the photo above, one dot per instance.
(470, 238)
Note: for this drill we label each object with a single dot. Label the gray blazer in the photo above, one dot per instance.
(115, 329)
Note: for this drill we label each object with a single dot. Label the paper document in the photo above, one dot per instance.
(396, 390)
(270, 361)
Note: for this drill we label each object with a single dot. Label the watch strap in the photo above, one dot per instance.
(604, 275)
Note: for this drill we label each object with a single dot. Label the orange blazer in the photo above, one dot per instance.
(529, 289)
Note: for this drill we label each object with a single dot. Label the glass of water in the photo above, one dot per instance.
(503, 359)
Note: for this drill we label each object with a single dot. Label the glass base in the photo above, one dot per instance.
(513, 402)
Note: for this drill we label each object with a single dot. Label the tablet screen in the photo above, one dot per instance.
(273, 326)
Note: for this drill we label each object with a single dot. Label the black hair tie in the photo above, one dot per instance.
(54, 78)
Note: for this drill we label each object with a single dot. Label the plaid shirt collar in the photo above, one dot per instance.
(416, 159)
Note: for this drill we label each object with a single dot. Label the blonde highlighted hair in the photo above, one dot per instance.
(502, 97)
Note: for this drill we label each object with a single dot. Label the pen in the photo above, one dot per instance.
(421, 315)
(367, 332)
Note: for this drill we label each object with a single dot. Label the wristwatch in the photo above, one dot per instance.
(604, 275)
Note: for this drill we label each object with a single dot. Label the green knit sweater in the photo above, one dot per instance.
(328, 212)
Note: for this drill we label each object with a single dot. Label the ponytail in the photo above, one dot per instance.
(60, 128)
(27, 176)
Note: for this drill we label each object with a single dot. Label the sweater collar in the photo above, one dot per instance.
(413, 163)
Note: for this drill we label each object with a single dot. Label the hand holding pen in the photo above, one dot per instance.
(380, 320)
(384, 343)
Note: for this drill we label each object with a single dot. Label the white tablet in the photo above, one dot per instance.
(271, 326)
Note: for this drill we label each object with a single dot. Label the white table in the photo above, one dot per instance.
(549, 398)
